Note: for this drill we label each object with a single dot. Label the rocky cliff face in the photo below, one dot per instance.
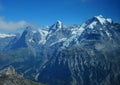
(82, 66)
(8, 76)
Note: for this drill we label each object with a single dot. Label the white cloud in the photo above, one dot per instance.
(11, 25)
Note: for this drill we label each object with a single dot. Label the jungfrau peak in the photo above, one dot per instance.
(102, 20)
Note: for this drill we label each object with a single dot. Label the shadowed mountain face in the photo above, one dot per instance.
(87, 54)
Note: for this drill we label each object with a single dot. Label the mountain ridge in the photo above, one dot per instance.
(86, 54)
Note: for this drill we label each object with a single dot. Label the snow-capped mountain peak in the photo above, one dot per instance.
(59, 24)
(109, 20)
(55, 27)
(101, 19)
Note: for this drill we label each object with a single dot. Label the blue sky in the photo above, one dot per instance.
(46, 12)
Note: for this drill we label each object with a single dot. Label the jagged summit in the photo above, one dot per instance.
(58, 25)
(103, 20)
(95, 21)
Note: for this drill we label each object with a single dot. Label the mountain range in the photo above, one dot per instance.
(86, 54)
